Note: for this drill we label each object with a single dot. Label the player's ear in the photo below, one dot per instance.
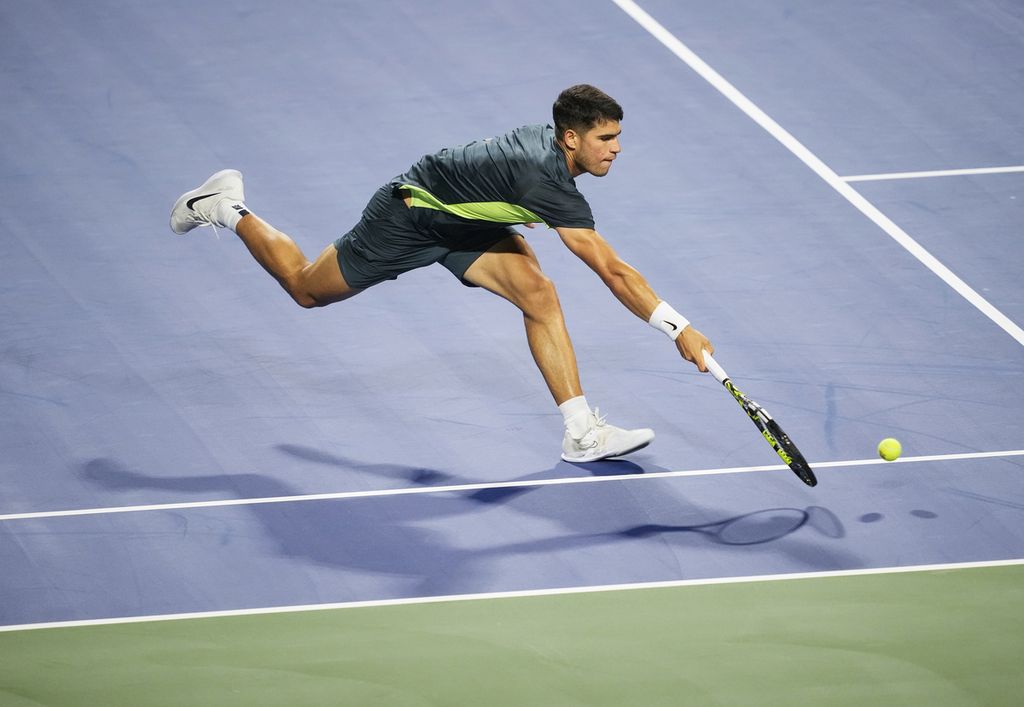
(570, 139)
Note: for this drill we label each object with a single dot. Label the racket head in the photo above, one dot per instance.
(775, 436)
(795, 459)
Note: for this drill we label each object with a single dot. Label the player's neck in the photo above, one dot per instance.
(574, 170)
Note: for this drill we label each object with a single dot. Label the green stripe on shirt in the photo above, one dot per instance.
(493, 211)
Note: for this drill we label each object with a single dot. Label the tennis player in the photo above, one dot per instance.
(457, 207)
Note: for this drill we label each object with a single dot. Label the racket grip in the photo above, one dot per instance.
(717, 371)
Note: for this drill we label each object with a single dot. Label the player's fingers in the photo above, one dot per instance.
(701, 365)
(705, 346)
(699, 360)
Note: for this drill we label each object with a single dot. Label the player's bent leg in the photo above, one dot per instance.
(322, 281)
(511, 270)
(313, 284)
(219, 201)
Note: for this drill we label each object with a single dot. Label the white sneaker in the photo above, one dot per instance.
(199, 206)
(603, 440)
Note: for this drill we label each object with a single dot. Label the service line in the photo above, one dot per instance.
(933, 173)
(463, 488)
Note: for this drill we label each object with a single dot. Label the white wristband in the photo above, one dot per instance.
(668, 320)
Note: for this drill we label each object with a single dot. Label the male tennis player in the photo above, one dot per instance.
(456, 207)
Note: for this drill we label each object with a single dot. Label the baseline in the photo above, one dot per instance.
(519, 593)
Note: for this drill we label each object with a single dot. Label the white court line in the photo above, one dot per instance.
(934, 173)
(516, 594)
(820, 168)
(462, 488)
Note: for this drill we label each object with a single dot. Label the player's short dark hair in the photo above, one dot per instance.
(581, 107)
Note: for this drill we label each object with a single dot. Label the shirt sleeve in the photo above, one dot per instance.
(558, 205)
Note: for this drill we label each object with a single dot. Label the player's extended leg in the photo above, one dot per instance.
(510, 269)
(219, 201)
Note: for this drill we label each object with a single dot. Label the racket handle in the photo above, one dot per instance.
(717, 371)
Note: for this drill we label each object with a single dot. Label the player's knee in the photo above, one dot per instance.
(295, 287)
(538, 297)
(305, 301)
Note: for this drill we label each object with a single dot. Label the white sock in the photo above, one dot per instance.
(229, 213)
(576, 414)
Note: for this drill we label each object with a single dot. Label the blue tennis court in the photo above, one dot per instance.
(832, 192)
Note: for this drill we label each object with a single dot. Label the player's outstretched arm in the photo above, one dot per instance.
(633, 290)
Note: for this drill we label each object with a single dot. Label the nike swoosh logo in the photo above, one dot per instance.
(665, 321)
(188, 204)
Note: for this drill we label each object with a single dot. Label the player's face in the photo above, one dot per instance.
(596, 149)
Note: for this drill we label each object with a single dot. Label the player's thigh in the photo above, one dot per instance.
(324, 281)
(509, 268)
(385, 243)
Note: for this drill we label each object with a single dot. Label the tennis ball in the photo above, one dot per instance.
(890, 449)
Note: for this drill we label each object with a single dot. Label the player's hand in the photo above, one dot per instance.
(692, 345)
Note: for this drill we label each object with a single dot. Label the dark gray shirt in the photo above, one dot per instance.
(518, 177)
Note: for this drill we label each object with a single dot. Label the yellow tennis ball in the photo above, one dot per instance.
(890, 449)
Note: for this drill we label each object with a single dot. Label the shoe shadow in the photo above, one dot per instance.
(606, 467)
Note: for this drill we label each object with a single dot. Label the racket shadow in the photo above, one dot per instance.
(755, 528)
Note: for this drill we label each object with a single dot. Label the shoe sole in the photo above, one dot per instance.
(205, 186)
(607, 456)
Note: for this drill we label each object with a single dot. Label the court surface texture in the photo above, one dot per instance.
(210, 496)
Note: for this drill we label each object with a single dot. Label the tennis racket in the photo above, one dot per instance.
(770, 429)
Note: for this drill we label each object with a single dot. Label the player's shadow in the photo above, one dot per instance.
(417, 475)
(113, 475)
(403, 540)
(362, 535)
(407, 544)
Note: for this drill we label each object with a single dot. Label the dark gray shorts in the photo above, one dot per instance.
(391, 239)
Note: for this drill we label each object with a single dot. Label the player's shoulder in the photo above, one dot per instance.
(536, 148)
(537, 130)
(531, 139)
